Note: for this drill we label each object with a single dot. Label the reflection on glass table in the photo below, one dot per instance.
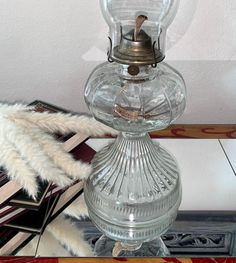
(206, 224)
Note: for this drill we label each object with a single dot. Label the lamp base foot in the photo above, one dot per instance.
(106, 247)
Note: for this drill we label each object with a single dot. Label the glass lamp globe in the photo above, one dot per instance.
(134, 191)
(129, 43)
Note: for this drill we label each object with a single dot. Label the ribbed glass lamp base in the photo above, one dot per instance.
(106, 247)
(134, 191)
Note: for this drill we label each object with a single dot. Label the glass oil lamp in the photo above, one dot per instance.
(134, 192)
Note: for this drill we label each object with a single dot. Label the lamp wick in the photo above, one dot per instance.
(139, 22)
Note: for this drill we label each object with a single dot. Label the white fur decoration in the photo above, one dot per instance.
(34, 155)
(63, 123)
(77, 209)
(59, 235)
(55, 151)
(48, 247)
(16, 107)
(20, 171)
(61, 238)
(70, 237)
(28, 151)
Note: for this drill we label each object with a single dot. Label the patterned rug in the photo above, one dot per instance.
(116, 260)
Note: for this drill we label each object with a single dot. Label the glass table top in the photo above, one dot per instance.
(206, 224)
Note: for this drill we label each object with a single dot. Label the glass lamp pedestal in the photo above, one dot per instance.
(106, 247)
(134, 192)
(133, 195)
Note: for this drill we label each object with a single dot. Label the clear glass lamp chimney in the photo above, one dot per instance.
(121, 16)
(134, 192)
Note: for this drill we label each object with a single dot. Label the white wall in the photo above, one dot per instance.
(49, 47)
